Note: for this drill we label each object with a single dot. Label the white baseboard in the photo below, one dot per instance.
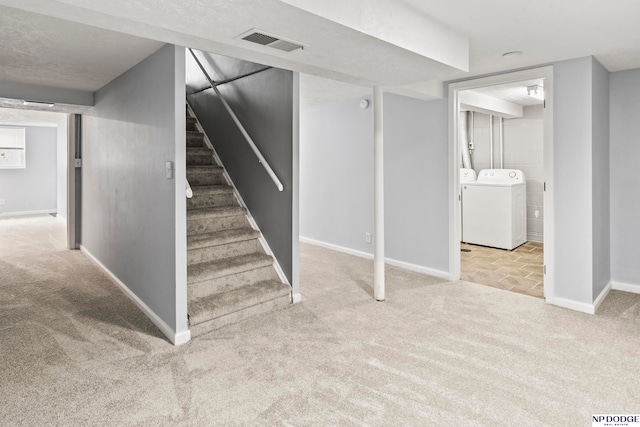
(401, 264)
(573, 305)
(626, 287)
(601, 297)
(337, 248)
(175, 338)
(419, 269)
(581, 306)
(25, 213)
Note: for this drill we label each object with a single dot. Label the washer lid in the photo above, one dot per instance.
(501, 176)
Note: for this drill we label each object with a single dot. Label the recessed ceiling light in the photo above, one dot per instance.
(512, 54)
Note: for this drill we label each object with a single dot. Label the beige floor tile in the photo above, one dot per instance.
(511, 271)
(519, 270)
(520, 282)
(536, 275)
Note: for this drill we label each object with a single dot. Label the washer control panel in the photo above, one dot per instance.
(506, 176)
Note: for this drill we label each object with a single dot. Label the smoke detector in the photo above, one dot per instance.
(270, 40)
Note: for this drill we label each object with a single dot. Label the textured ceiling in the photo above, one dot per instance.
(46, 51)
(82, 44)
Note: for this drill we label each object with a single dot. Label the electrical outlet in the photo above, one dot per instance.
(367, 237)
(1, 202)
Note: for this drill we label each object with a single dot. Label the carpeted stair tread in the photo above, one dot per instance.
(194, 134)
(217, 212)
(199, 151)
(225, 267)
(202, 190)
(203, 169)
(195, 139)
(229, 276)
(223, 237)
(219, 305)
(211, 174)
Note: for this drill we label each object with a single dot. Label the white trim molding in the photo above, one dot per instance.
(626, 287)
(581, 306)
(601, 297)
(455, 88)
(573, 305)
(27, 213)
(178, 338)
(401, 264)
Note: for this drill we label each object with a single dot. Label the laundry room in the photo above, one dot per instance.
(501, 132)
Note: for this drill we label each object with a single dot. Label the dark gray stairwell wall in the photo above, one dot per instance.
(264, 104)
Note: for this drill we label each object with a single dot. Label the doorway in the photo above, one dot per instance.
(502, 124)
(40, 185)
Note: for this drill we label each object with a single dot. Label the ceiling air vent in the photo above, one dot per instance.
(265, 39)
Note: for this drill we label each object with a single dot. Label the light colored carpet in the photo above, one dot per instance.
(75, 351)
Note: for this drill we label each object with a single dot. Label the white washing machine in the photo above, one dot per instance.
(494, 209)
(467, 175)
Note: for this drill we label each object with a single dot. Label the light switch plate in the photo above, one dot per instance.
(168, 169)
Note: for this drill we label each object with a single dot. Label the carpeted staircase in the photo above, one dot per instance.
(230, 277)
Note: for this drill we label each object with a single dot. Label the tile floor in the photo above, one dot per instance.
(519, 270)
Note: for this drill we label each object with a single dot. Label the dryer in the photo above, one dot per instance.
(494, 209)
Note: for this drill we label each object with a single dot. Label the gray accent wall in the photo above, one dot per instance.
(264, 105)
(34, 188)
(625, 184)
(129, 220)
(601, 180)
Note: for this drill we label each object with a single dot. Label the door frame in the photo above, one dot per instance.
(73, 181)
(545, 73)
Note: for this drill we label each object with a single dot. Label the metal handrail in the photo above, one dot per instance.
(247, 137)
(189, 191)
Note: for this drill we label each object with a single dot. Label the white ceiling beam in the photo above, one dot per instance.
(474, 101)
(395, 23)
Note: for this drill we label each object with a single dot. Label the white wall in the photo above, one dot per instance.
(132, 215)
(32, 189)
(625, 183)
(336, 178)
(523, 150)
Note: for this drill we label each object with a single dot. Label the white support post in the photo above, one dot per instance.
(378, 217)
